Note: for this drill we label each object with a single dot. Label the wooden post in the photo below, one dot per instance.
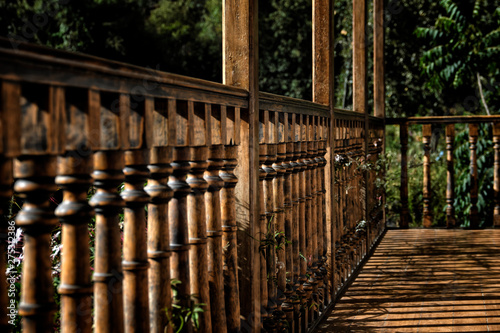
(378, 59)
(160, 293)
(359, 81)
(403, 190)
(426, 138)
(450, 183)
(240, 68)
(214, 234)
(74, 212)
(496, 173)
(323, 93)
(474, 217)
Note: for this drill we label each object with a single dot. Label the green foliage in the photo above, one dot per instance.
(180, 314)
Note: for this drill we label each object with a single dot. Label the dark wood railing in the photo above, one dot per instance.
(76, 122)
(450, 122)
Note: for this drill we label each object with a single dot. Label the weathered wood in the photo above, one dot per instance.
(108, 275)
(160, 293)
(35, 183)
(262, 237)
(359, 78)
(178, 226)
(229, 227)
(426, 138)
(474, 180)
(197, 228)
(496, 173)
(75, 215)
(378, 59)
(403, 190)
(450, 176)
(135, 259)
(214, 234)
(240, 69)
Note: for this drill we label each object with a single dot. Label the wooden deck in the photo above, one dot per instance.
(430, 280)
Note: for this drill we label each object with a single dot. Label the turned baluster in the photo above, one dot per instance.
(135, 259)
(214, 234)
(160, 293)
(279, 222)
(322, 226)
(287, 203)
(450, 183)
(297, 261)
(230, 228)
(313, 227)
(405, 213)
(474, 216)
(496, 173)
(426, 138)
(198, 233)
(40, 109)
(75, 214)
(178, 226)
(271, 157)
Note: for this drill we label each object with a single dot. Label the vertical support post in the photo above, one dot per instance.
(240, 68)
(403, 190)
(359, 56)
(450, 179)
(496, 173)
(378, 59)
(474, 184)
(426, 137)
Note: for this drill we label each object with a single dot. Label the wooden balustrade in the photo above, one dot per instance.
(188, 209)
(450, 121)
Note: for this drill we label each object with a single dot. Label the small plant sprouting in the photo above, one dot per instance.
(181, 314)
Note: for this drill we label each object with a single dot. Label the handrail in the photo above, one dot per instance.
(442, 120)
(272, 102)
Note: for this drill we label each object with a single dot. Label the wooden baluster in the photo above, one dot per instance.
(135, 259)
(270, 228)
(6, 229)
(426, 137)
(288, 306)
(74, 212)
(229, 228)
(474, 217)
(322, 228)
(496, 173)
(313, 226)
(450, 183)
(263, 226)
(279, 222)
(178, 220)
(405, 213)
(160, 293)
(198, 233)
(305, 287)
(214, 234)
(41, 109)
(295, 229)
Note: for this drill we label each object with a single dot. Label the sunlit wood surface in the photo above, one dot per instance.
(421, 280)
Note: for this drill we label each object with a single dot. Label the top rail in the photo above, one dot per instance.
(272, 102)
(442, 120)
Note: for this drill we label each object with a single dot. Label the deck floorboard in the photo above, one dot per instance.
(425, 280)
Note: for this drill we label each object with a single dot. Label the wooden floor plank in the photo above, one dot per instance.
(425, 280)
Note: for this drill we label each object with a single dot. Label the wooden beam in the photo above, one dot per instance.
(240, 69)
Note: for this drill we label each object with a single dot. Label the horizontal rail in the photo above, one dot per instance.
(271, 102)
(442, 120)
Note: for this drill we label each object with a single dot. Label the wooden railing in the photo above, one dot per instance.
(76, 123)
(449, 121)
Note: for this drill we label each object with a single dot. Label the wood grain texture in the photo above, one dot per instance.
(359, 75)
